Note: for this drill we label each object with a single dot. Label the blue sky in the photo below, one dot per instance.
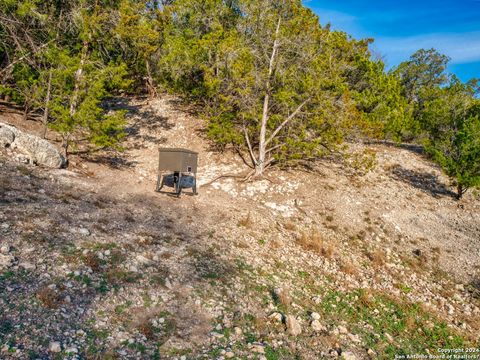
(402, 27)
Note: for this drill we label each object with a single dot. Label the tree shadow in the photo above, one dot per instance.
(428, 183)
(414, 148)
(113, 161)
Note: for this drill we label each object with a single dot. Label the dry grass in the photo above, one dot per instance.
(92, 261)
(48, 297)
(147, 329)
(246, 222)
(314, 242)
(377, 257)
(276, 243)
(289, 225)
(282, 297)
(349, 268)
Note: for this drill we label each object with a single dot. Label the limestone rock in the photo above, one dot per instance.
(6, 261)
(349, 356)
(317, 325)
(293, 327)
(7, 136)
(55, 347)
(38, 151)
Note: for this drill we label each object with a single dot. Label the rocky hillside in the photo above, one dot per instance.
(301, 265)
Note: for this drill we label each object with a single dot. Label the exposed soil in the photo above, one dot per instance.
(99, 262)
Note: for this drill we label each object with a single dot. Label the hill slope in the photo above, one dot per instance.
(95, 264)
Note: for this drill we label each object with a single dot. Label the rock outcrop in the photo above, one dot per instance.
(38, 151)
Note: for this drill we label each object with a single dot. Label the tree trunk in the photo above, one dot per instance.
(152, 92)
(78, 77)
(47, 104)
(25, 112)
(262, 147)
(460, 191)
(65, 145)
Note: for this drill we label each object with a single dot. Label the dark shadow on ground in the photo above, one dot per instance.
(414, 148)
(143, 118)
(112, 160)
(428, 183)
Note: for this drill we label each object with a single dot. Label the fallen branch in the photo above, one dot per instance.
(235, 176)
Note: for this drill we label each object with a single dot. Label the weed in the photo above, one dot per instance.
(377, 257)
(289, 225)
(25, 171)
(314, 242)
(348, 268)
(49, 298)
(92, 261)
(282, 297)
(246, 222)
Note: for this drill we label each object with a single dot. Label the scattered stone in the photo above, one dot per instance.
(389, 337)
(27, 266)
(84, 231)
(6, 261)
(237, 331)
(258, 348)
(315, 316)
(276, 316)
(342, 330)
(293, 327)
(229, 354)
(371, 353)
(317, 325)
(55, 347)
(71, 350)
(5, 249)
(355, 338)
(348, 355)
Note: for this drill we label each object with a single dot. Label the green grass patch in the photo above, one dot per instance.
(414, 330)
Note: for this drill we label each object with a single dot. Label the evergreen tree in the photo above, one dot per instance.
(452, 120)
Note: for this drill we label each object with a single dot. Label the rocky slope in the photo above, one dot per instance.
(95, 265)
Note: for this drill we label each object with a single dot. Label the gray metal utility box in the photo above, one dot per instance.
(183, 163)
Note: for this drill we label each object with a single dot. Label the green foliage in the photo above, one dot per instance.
(273, 83)
(425, 69)
(379, 98)
(452, 121)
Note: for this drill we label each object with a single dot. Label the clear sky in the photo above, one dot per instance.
(402, 27)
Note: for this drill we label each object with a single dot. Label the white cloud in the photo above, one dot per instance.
(462, 48)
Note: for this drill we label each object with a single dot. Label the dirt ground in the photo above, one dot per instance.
(398, 225)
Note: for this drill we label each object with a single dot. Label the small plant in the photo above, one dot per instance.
(348, 268)
(48, 297)
(92, 261)
(147, 329)
(362, 162)
(281, 297)
(246, 222)
(289, 225)
(314, 242)
(377, 257)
